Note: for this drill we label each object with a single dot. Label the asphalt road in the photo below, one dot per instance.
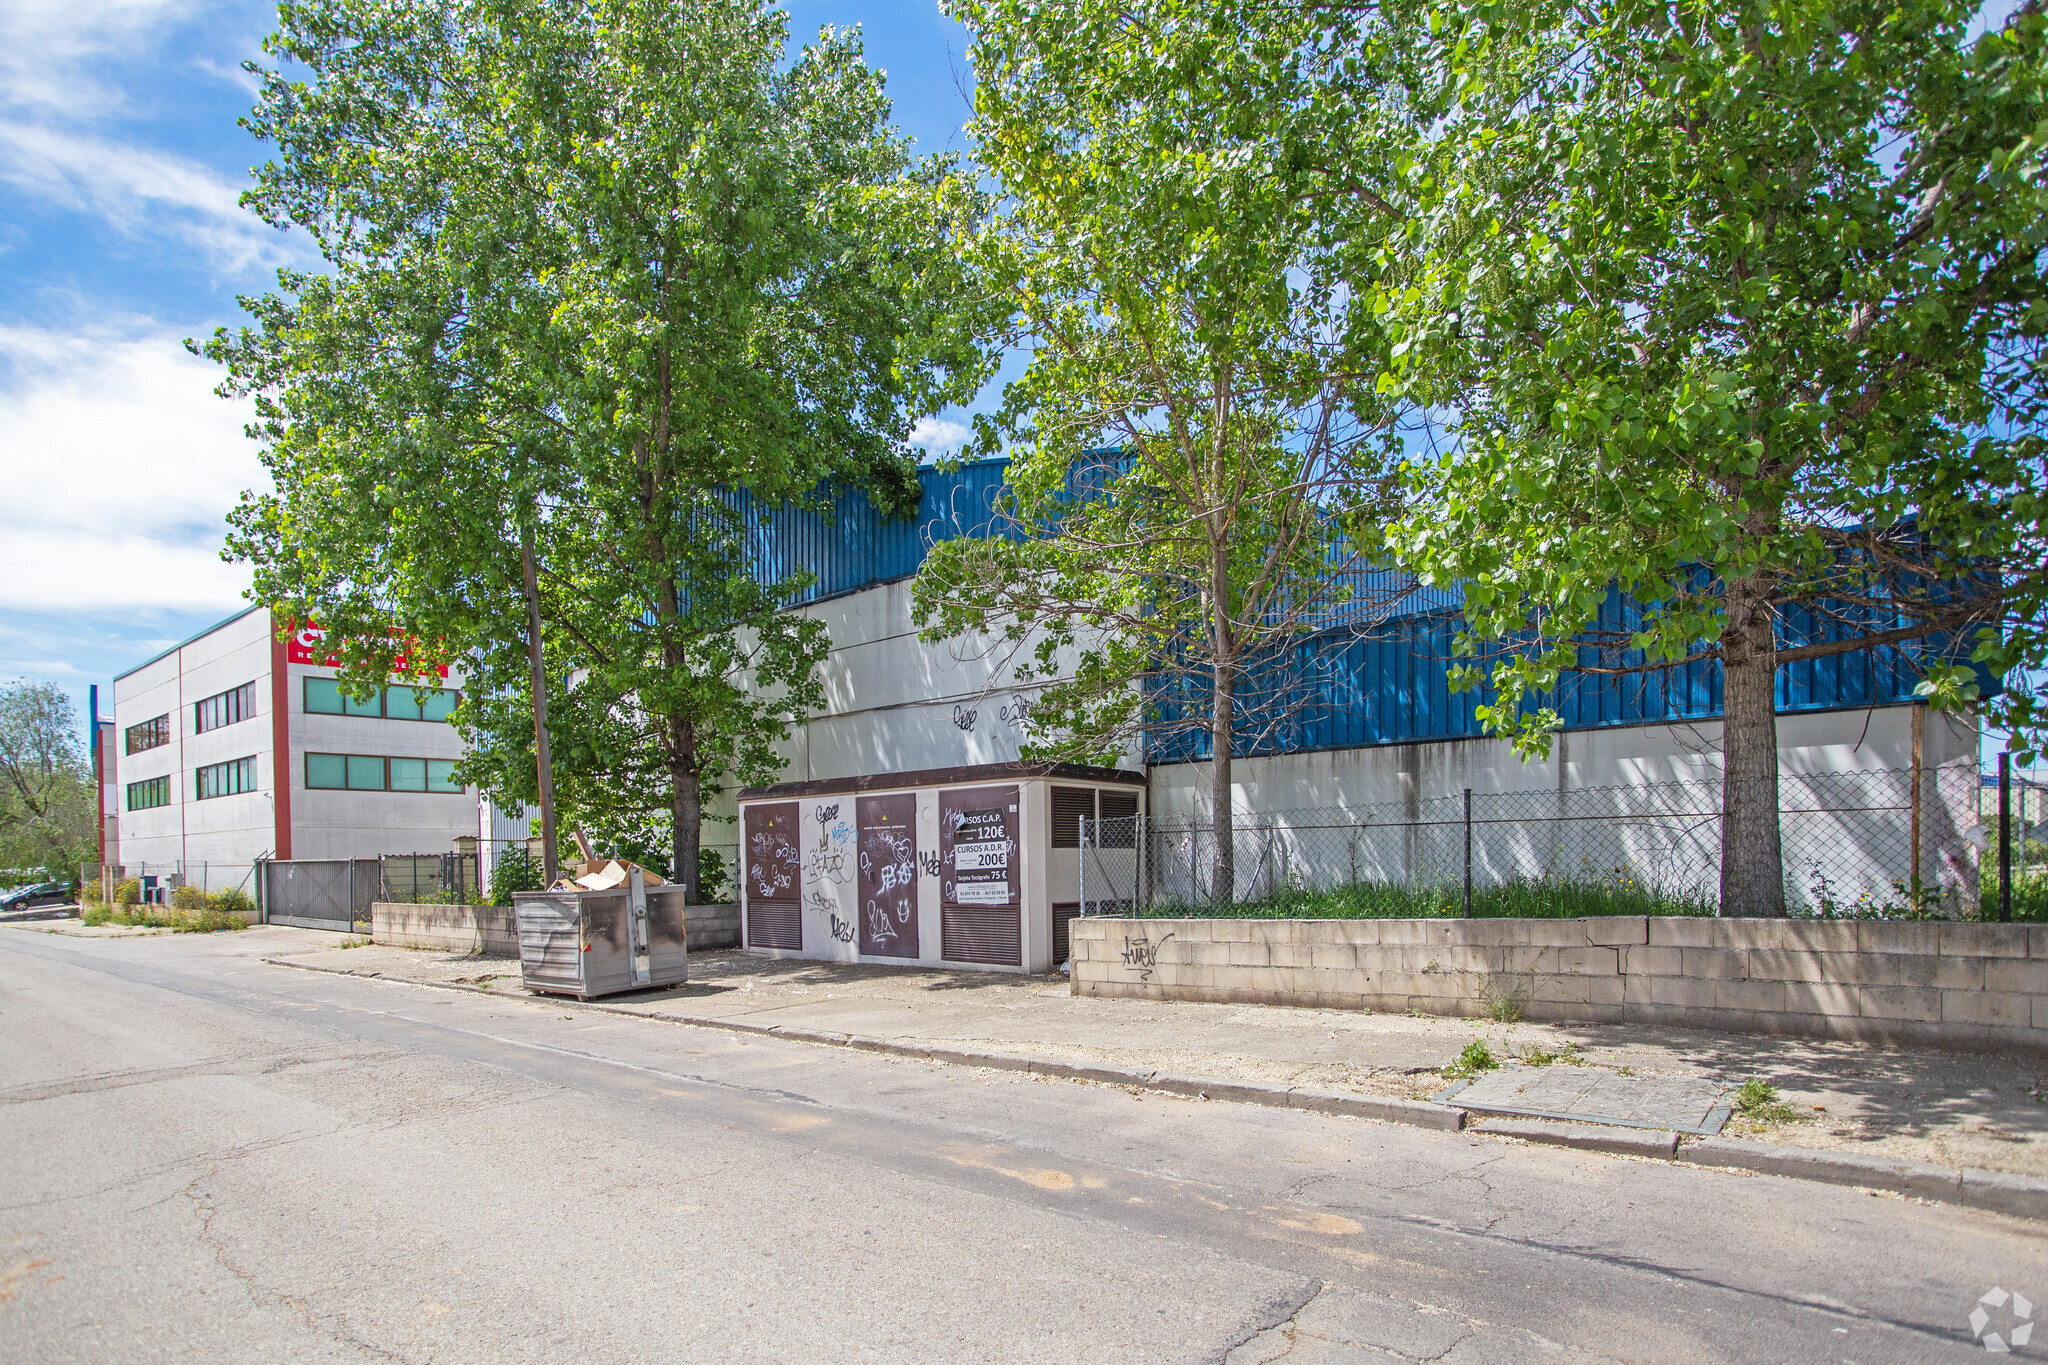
(206, 1158)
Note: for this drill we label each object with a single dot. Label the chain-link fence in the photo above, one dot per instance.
(1854, 843)
(430, 878)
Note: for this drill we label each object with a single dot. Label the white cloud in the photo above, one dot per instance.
(139, 192)
(46, 46)
(121, 463)
(940, 435)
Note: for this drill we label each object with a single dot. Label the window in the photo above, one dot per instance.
(324, 698)
(370, 773)
(151, 734)
(224, 779)
(224, 708)
(150, 794)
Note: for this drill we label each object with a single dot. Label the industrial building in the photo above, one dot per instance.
(238, 745)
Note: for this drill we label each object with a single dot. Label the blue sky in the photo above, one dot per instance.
(120, 163)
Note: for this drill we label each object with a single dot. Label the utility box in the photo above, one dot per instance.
(592, 943)
(960, 867)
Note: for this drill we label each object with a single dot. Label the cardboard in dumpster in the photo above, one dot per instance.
(605, 876)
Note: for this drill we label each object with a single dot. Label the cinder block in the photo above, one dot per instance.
(1743, 933)
(1820, 936)
(1690, 992)
(1901, 1002)
(1292, 954)
(1715, 963)
(1926, 970)
(1249, 954)
(1753, 996)
(1890, 936)
(2041, 1011)
(1681, 931)
(1562, 990)
(1203, 954)
(1823, 997)
(1349, 983)
(1401, 983)
(1983, 940)
(1589, 961)
(1605, 990)
(2026, 978)
(2037, 940)
(1339, 957)
(1987, 1007)
(1404, 932)
(1616, 931)
(1788, 964)
(1233, 930)
(1087, 929)
(1644, 960)
(1498, 933)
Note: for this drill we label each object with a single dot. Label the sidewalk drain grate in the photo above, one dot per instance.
(1678, 1104)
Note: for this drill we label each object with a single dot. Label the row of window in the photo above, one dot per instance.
(324, 698)
(151, 734)
(327, 772)
(224, 779)
(370, 773)
(149, 793)
(224, 708)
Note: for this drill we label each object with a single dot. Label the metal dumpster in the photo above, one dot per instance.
(591, 943)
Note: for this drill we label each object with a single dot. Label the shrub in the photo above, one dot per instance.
(95, 913)
(188, 898)
(231, 901)
(128, 892)
(515, 870)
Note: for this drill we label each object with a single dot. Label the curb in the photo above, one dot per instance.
(2021, 1196)
(1414, 1113)
(1585, 1137)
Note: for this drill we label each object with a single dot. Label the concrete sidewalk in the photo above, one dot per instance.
(1897, 1104)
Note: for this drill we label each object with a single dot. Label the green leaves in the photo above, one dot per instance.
(586, 265)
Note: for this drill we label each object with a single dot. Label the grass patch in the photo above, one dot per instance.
(1506, 997)
(1527, 899)
(1538, 1055)
(1476, 1057)
(195, 920)
(1758, 1101)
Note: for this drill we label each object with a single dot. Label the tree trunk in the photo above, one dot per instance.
(687, 836)
(1223, 723)
(1752, 857)
(543, 761)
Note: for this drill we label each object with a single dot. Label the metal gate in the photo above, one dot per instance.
(320, 893)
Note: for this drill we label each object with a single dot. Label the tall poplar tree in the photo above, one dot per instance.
(589, 267)
(1738, 306)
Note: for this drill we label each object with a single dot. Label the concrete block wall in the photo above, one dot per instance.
(494, 931)
(487, 929)
(1961, 985)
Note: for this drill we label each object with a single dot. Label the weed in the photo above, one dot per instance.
(1539, 1055)
(97, 914)
(353, 943)
(1505, 997)
(1757, 1100)
(1476, 1057)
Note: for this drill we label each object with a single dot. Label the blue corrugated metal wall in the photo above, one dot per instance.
(856, 547)
(1344, 688)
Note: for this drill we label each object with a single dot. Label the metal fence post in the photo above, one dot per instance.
(1082, 845)
(2005, 838)
(1468, 853)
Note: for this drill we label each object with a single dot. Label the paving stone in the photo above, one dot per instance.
(1678, 1103)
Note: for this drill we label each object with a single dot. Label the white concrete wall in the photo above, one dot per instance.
(226, 831)
(1379, 814)
(363, 824)
(230, 832)
(896, 704)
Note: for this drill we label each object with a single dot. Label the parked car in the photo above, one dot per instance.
(42, 893)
